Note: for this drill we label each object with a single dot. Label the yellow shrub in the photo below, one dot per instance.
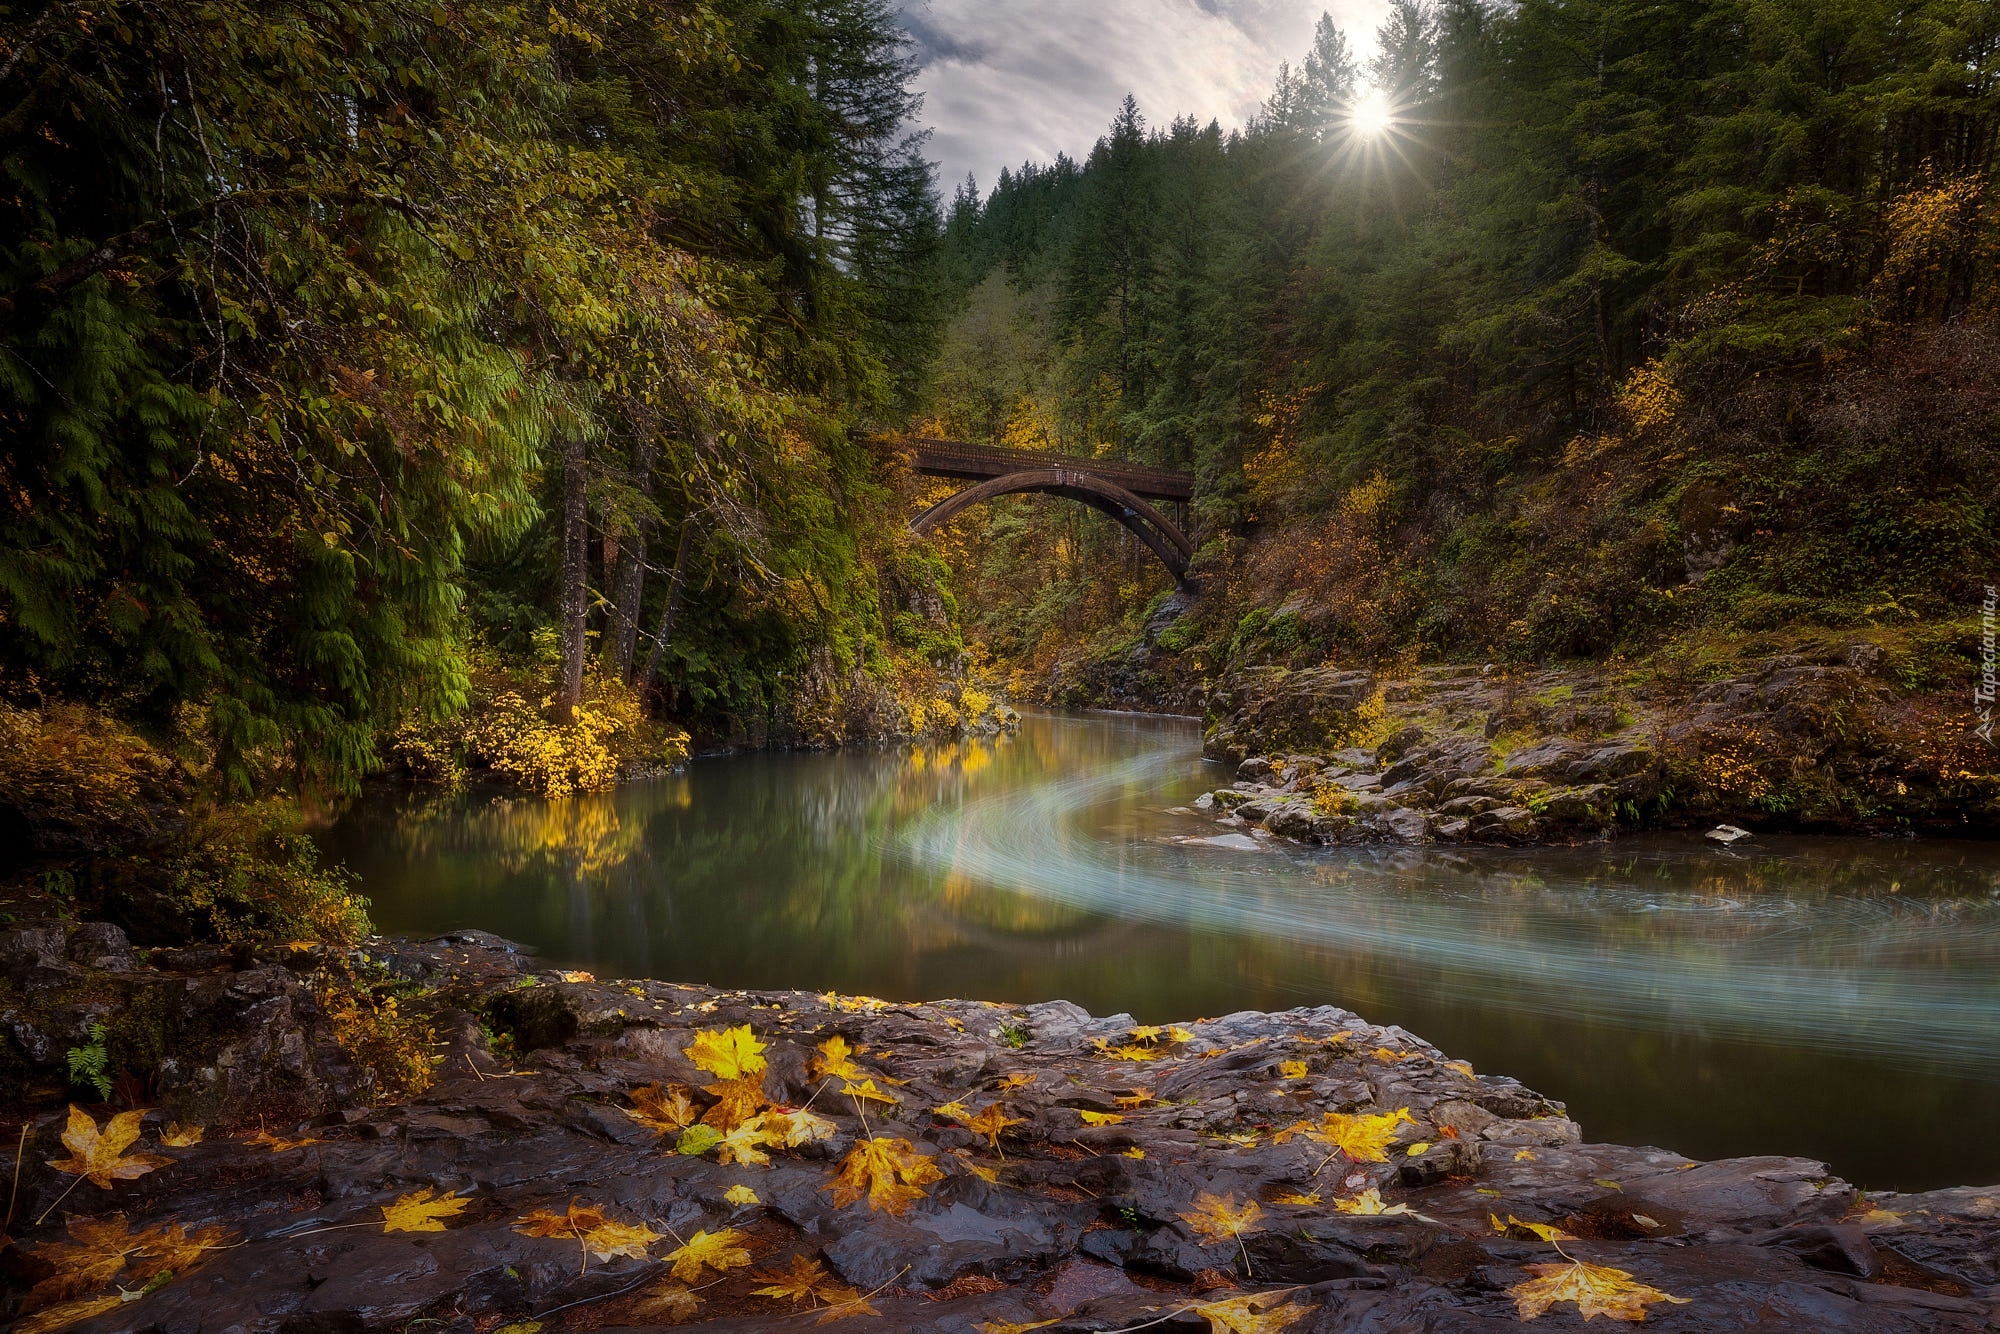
(974, 703)
(397, 1048)
(256, 878)
(1330, 798)
(71, 769)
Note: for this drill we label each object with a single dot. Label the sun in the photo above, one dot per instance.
(1371, 114)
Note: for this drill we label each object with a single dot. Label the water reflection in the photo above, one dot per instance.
(1811, 996)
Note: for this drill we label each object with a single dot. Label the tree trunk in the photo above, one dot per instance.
(575, 575)
(621, 645)
(675, 583)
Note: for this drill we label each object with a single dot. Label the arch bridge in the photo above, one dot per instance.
(1122, 490)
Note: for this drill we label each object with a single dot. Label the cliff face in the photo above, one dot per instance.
(630, 1154)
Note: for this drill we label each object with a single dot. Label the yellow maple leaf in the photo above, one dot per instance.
(629, 1239)
(93, 1256)
(1217, 1218)
(727, 1054)
(952, 1111)
(833, 1061)
(1524, 1155)
(1303, 1200)
(794, 1285)
(736, 1101)
(1364, 1137)
(1517, 1227)
(1133, 1052)
(1596, 1290)
(720, 1251)
(668, 1109)
(1100, 1118)
(1146, 1033)
(1012, 1327)
(1292, 1069)
(1179, 1034)
(983, 1173)
(889, 1173)
(264, 1139)
(579, 1218)
(1418, 1149)
(422, 1211)
(101, 1157)
(178, 1136)
(1255, 1313)
(866, 1091)
(666, 1303)
(1370, 1202)
(1016, 1081)
(746, 1144)
(795, 1127)
(842, 1303)
(741, 1194)
(574, 975)
(68, 1313)
(1136, 1098)
(990, 1123)
(1135, 1152)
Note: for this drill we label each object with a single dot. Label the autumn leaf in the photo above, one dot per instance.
(697, 1140)
(629, 1239)
(1136, 1098)
(833, 1061)
(736, 1101)
(1370, 1202)
(264, 1139)
(982, 1172)
(1100, 1118)
(794, 1285)
(1418, 1149)
(1364, 1137)
(665, 1303)
(727, 1054)
(1596, 1290)
(889, 1173)
(1218, 1218)
(1010, 1327)
(719, 1251)
(101, 1249)
(1179, 1034)
(101, 1157)
(1519, 1228)
(842, 1303)
(1306, 1200)
(1524, 1155)
(69, 1313)
(1133, 1052)
(952, 1111)
(573, 975)
(740, 1195)
(990, 1123)
(1386, 1054)
(1135, 1152)
(1146, 1033)
(1292, 1069)
(866, 1091)
(422, 1211)
(669, 1109)
(1252, 1314)
(178, 1136)
(793, 1128)
(1008, 1083)
(579, 1219)
(746, 1144)
(172, 1247)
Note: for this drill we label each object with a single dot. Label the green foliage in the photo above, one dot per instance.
(90, 1064)
(250, 875)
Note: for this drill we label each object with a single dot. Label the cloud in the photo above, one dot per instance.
(1008, 81)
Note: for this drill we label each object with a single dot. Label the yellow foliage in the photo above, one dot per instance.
(102, 1156)
(422, 1211)
(889, 1173)
(1218, 1217)
(727, 1053)
(1649, 396)
(1596, 1290)
(719, 1251)
(398, 1048)
(72, 767)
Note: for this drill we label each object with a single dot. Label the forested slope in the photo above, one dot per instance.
(1637, 326)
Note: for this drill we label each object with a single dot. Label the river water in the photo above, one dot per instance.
(1832, 998)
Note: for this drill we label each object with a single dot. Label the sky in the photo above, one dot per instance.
(1008, 81)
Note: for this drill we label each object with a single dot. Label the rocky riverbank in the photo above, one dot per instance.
(633, 1154)
(1451, 754)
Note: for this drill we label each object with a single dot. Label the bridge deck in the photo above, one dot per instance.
(952, 458)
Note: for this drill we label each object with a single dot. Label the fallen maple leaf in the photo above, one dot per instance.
(727, 1054)
(264, 1139)
(1133, 1052)
(579, 1218)
(667, 1303)
(1179, 1034)
(69, 1313)
(1217, 1218)
(1136, 1098)
(794, 1128)
(833, 1061)
(990, 1123)
(101, 1157)
(740, 1195)
(1135, 1152)
(573, 975)
(736, 1101)
(178, 1136)
(1011, 1327)
(1292, 1069)
(746, 1144)
(889, 1173)
(697, 1140)
(102, 1249)
(1524, 1155)
(1100, 1118)
(1364, 1137)
(1596, 1290)
(866, 1091)
(422, 1211)
(842, 1303)
(1147, 1033)
(1306, 1200)
(1370, 1202)
(794, 1285)
(720, 1251)
(1016, 1081)
(668, 1109)
(1252, 1314)
(952, 1111)
(629, 1239)
(1518, 1227)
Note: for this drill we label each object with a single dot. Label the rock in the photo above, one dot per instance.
(1205, 802)
(1254, 769)
(1505, 823)
(101, 945)
(1404, 825)
(1727, 834)
(1294, 819)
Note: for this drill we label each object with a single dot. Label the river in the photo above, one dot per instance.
(1831, 998)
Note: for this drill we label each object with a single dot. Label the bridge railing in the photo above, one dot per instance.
(955, 458)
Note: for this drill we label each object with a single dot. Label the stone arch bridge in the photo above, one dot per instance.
(1122, 490)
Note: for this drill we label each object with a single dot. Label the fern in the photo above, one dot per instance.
(90, 1064)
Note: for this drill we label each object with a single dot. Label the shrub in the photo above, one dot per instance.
(256, 878)
(78, 777)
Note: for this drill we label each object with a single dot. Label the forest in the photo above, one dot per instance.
(433, 389)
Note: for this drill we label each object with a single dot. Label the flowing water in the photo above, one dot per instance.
(1832, 998)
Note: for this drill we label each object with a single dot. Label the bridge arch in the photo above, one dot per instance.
(1160, 535)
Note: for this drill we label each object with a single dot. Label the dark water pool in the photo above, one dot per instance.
(1834, 998)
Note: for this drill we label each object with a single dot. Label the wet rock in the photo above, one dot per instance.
(1726, 834)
